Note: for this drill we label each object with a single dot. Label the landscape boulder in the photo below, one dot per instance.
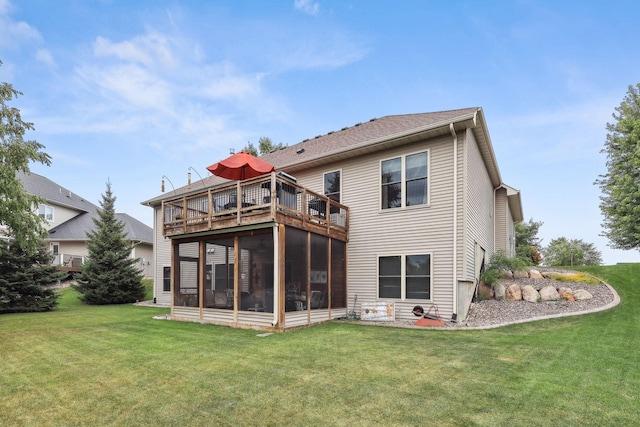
(485, 291)
(549, 293)
(520, 274)
(499, 292)
(582, 294)
(530, 294)
(535, 274)
(506, 274)
(513, 293)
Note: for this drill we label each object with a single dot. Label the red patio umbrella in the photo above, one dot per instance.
(241, 166)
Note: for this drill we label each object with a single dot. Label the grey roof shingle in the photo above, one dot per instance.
(77, 227)
(53, 193)
(342, 141)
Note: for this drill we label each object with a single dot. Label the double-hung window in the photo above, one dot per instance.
(332, 185)
(166, 279)
(405, 277)
(405, 180)
(46, 212)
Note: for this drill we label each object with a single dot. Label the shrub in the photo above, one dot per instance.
(499, 262)
(574, 278)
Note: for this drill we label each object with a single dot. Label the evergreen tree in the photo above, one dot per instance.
(110, 275)
(23, 275)
(265, 146)
(528, 242)
(620, 202)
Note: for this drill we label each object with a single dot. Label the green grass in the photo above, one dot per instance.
(115, 365)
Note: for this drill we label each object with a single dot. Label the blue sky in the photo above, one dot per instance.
(129, 91)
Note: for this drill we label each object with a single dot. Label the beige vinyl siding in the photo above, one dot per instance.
(502, 209)
(72, 247)
(144, 251)
(511, 226)
(61, 214)
(162, 255)
(479, 207)
(413, 230)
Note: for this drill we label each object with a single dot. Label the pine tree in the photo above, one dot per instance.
(110, 275)
(23, 275)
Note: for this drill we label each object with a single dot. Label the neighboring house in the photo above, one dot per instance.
(68, 219)
(389, 214)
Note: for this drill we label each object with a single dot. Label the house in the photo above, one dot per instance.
(69, 218)
(381, 217)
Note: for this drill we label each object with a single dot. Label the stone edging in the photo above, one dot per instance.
(615, 302)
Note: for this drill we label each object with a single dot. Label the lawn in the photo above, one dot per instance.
(116, 365)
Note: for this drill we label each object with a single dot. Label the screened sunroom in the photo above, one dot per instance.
(275, 261)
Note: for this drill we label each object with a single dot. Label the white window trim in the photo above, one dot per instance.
(341, 181)
(403, 276)
(46, 206)
(403, 181)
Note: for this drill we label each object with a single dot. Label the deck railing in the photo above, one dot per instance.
(68, 260)
(254, 200)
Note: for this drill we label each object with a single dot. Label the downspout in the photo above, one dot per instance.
(455, 220)
(155, 253)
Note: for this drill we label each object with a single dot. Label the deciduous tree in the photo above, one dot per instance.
(565, 252)
(18, 212)
(620, 200)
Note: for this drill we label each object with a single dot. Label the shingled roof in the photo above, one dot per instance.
(370, 136)
(77, 227)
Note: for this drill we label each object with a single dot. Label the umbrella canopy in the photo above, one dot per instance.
(241, 166)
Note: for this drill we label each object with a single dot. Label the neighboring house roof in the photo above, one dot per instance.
(368, 137)
(52, 192)
(77, 227)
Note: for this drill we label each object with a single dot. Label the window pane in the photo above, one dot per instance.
(166, 279)
(417, 166)
(418, 265)
(417, 192)
(418, 280)
(390, 266)
(389, 281)
(332, 185)
(391, 196)
(418, 287)
(391, 170)
(389, 287)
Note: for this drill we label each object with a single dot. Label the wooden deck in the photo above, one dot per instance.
(269, 198)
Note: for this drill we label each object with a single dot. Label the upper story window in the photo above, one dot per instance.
(332, 185)
(405, 180)
(46, 212)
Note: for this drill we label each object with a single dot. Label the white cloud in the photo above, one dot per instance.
(149, 49)
(307, 6)
(128, 85)
(13, 34)
(46, 58)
